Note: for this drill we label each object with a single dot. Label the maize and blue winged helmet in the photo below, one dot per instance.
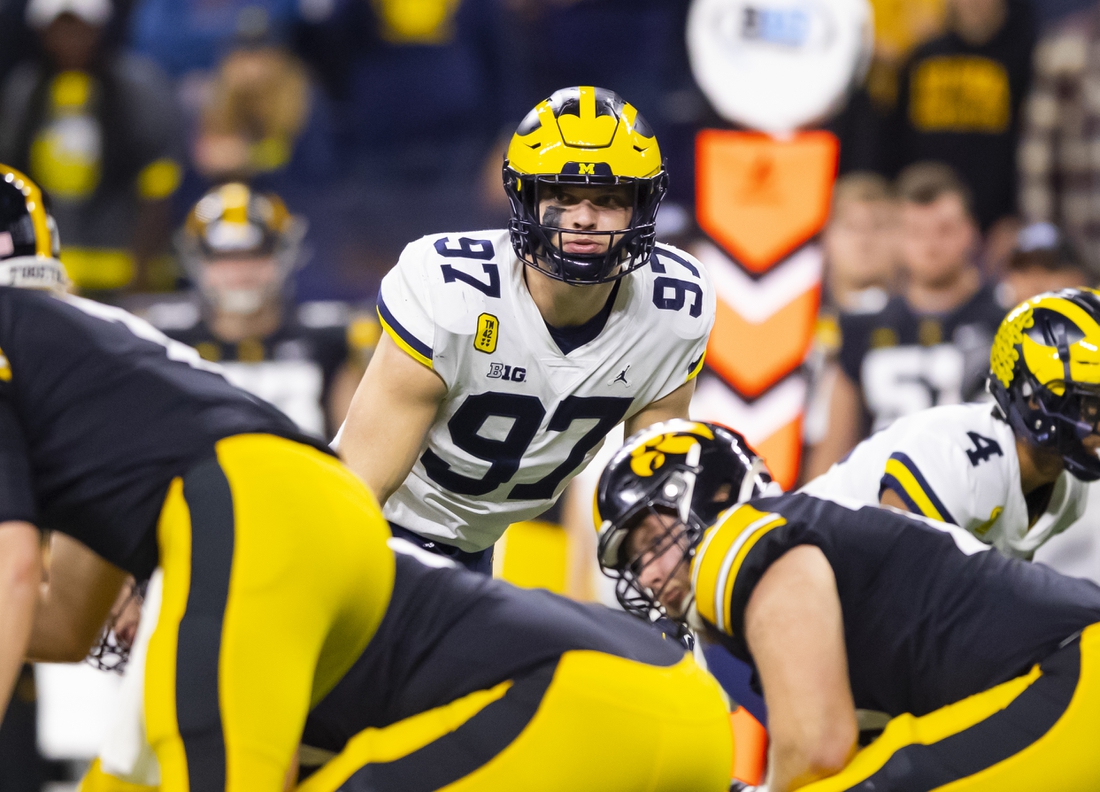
(588, 137)
(1045, 374)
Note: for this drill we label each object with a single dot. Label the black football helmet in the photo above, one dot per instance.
(30, 250)
(685, 472)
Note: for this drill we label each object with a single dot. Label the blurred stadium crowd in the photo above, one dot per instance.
(968, 181)
(381, 120)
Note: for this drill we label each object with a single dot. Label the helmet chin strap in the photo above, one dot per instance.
(684, 503)
(33, 272)
(752, 480)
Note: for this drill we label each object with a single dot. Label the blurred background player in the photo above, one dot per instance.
(240, 249)
(98, 129)
(861, 252)
(509, 355)
(930, 344)
(860, 240)
(1013, 475)
(989, 686)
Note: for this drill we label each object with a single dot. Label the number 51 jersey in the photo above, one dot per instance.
(520, 417)
(956, 464)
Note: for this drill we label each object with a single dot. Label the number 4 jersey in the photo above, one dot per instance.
(956, 464)
(521, 416)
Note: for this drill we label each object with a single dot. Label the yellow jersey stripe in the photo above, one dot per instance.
(737, 557)
(896, 470)
(715, 555)
(697, 367)
(412, 352)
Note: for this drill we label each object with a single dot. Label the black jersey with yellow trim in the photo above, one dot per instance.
(99, 411)
(448, 632)
(931, 616)
(291, 340)
(903, 360)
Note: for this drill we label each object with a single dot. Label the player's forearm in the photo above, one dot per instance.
(794, 628)
(74, 605)
(20, 576)
(792, 766)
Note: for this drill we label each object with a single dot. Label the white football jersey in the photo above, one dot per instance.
(958, 464)
(520, 418)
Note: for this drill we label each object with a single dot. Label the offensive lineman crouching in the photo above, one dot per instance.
(990, 685)
(273, 566)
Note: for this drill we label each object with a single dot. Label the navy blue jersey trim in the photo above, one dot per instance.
(911, 466)
(400, 329)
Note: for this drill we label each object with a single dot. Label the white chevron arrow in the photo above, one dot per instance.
(757, 300)
(716, 401)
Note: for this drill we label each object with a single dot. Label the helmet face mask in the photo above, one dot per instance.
(1046, 375)
(658, 496)
(645, 545)
(583, 138)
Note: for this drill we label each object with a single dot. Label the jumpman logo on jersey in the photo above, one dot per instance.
(622, 377)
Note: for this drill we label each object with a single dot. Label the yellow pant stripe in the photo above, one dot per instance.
(400, 739)
(604, 723)
(1062, 757)
(719, 559)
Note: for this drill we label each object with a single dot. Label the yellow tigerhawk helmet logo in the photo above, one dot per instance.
(1020, 340)
(650, 454)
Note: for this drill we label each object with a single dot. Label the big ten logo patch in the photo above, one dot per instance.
(488, 328)
(501, 371)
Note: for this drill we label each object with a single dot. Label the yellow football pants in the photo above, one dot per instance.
(591, 721)
(276, 575)
(1040, 731)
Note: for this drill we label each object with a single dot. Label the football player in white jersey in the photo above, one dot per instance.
(1013, 474)
(240, 248)
(508, 355)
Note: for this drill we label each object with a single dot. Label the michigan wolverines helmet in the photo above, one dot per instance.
(686, 472)
(232, 221)
(1045, 374)
(30, 248)
(583, 136)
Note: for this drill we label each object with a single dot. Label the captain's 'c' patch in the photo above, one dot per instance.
(488, 327)
(5, 367)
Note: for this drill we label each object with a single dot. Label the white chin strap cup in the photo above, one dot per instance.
(33, 272)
